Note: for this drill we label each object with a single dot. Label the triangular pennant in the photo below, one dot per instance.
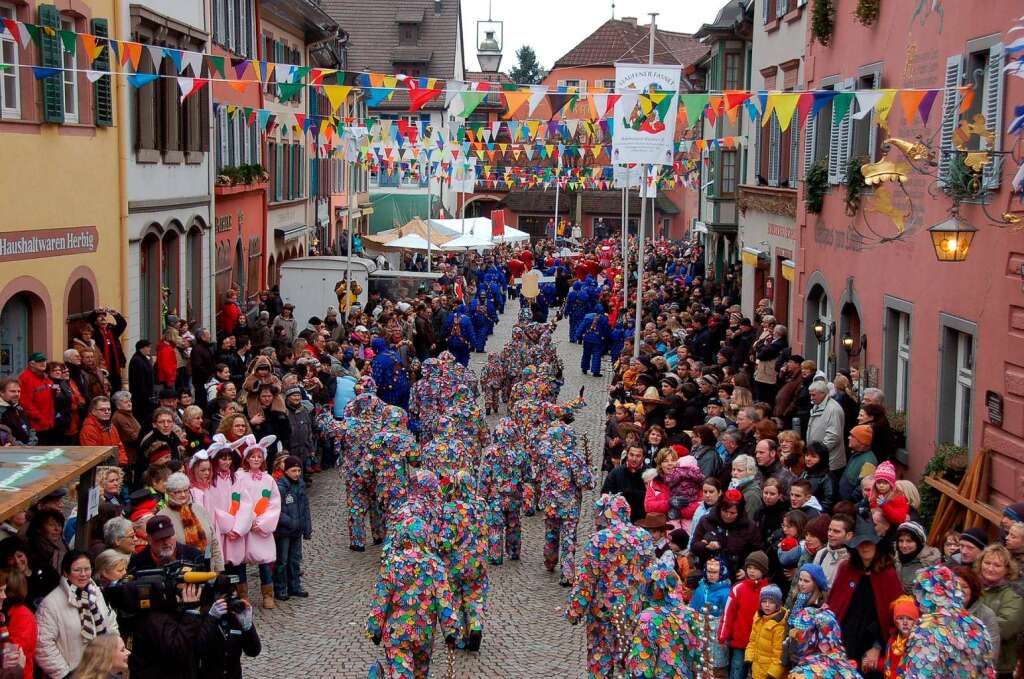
(514, 100)
(264, 69)
(41, 72)
(33, 31)
(240, 67)
(537, 93)
(337, 94)
(156, 56)
(263, 116)
(420, 96)
(785, 105)
(822, 98)
(289, 91)
(239, 86)
(884, 107)
(68, 38)
(966, 98)
(909, 101)
(138, 80)
(215, 64)
(694, 105)
(93, 76)
(131, 52)
(866, 102)
(196, 85)
(175, 56)
(470, 102)
(925, 107)
(804, 107)
(19, 32)
(841, 106)
(92, 47)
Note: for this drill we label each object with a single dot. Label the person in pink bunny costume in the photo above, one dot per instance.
(247, 505)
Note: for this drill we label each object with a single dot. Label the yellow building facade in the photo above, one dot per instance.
(61, 181)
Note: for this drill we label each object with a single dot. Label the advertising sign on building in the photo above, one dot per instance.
(72, 240)
(645, 114)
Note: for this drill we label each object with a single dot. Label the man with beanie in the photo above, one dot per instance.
(301, 444)
(972, 542)
(860, 457)
(294, 526)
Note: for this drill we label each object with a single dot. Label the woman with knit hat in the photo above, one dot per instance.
(913, 553)
(862, 461)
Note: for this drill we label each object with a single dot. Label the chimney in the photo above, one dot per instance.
(630, 20)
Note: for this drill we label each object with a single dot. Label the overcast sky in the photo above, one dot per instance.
(553, 27)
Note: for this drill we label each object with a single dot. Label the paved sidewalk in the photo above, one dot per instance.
(525, 635)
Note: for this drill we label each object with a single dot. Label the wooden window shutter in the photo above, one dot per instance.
(992, 107)
(50, 56)
(794, 150)
(773, 150)
(170, 108)
(950, 108)
(102, 95)
(204, 120)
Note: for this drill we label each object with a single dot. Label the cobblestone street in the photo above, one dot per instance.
(525, 635)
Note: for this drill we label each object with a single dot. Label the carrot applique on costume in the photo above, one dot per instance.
(262, 503)
(236, 504)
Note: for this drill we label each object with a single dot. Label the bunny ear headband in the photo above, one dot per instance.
(201, 456)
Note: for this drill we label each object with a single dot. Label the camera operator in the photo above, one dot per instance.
(235, 634)
(171, 637)
(164, 548)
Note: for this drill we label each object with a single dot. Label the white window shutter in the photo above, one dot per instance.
(845, 137)
(583, 87)
(833, 143)
(774, 152)
(229, 29)
(780, 8)
(876, 83)
(764, 7)
(794, 149)
(950, 108)
(222, 137)
(993, 109)
(810, 130)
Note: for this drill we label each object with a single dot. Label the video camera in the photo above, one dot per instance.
(157, 589)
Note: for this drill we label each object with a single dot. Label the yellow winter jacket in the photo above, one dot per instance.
(764, 651)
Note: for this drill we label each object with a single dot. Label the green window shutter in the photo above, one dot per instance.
(50, 56)
(102, 97)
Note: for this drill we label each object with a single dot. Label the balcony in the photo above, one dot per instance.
(770, 199)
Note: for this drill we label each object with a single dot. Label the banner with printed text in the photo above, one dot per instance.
(645, 113)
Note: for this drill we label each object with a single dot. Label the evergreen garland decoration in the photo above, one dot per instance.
(816, 186)
(867, 12)
(823, 22)
(854, 185)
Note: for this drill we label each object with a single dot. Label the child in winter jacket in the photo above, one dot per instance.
(885, 496)
(741, 608)
(764, 652)
(810, 590)
(904, 617)
(294, 525)
(684, 484)
(709, 599)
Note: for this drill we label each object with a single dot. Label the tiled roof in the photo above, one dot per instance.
(593, 202)
(373, 33)
(487, 77)
(618, 40)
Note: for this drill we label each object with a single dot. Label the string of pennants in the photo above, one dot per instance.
(463, 98)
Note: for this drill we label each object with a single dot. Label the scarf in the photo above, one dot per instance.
(89, 615)
(192, 527)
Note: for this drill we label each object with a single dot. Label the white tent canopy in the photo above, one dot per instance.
(468, 241)
(480, 226)
(412, 241)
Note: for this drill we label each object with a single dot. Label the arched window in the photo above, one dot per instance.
(20, 332)
(194, 273)
(150, 300)
(238, 270)
(271, 272)
(170, 261)
(819, 308)
(81, 300)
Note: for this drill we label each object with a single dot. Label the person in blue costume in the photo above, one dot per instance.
(389, 374)
(482, 324)
(458, 328)
(595, 333)
(574, 309)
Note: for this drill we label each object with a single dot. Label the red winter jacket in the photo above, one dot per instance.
(738, 619)
(885, 585)
(95, 434)
(895, 508)
(166, 363)
(37, 398)
(21, 625)
(656, 499)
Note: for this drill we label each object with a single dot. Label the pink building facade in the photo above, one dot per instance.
(944, 340)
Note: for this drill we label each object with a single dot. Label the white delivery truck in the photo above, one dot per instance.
(309, 282)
